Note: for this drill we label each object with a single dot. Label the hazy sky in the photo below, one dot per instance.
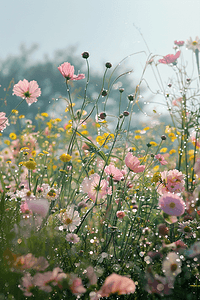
(104, 27)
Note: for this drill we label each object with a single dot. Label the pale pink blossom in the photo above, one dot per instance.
(133, 163)
(114, 283)
(91, 275)
(29, 261)
(70, 219)
(193, 44)
(161, 159)
(27, 90)
(95, 188)
(171, 266)
(39, 206)
(67, 71)
(172, 204)
(27, 284)
(114, 172)
(197, 167)
(3, 121)
(24, 208)
(172, 181)
(170, 58)
(120, 214)
(72, 238)
(75, 284)
(45, 280)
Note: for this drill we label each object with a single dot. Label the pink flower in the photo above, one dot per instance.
(27, 90)
(42, 280)
(161, 159)
(176, 102)
(76, 285)
(24, 208)
(179, 43)
(170, 58)
(39, 206)
(120, 214)
(27, 284)
(72, 238)
(114, 172)
(95, 188)
(133, 163)
(114, 283)
(3, 121)
(172, 204)
(197, 167)
(172, 181)
(67, 72)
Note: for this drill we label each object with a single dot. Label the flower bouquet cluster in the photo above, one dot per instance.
(90, 210)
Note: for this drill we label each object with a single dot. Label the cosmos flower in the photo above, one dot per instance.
(27, 90)
(185, 229)
(70, 219)
(67, 72)
(193, 44)
(3, 121)
(133, 163)
(171, 265)
(161, 159)
(95, 188)
(172, 204)
(172, 181)
(114, 283)
(120, 214)
(170, 58)
(72, 238)
(114, 172)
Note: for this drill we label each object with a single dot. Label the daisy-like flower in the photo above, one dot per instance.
(72, 238)
(193, 44)
(27, 90)
(114, 172)
(3, 121)
(70, 219)
(133, 163)
(67, 71)
(161, 159)
(95, 188)
(185, 229)
(172, 204)
(170, 58)
(172, 181)
(171, 266)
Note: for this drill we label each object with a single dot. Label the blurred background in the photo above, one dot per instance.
(37, 36)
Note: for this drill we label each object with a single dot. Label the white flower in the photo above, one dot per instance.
(70, 219)
(193, 45)
(171, 266)
(72, 238)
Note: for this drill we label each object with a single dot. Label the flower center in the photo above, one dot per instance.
(172, 205)
(68, 221)
(173, 267)
(187, 229)
(194, 43)
(27, 94)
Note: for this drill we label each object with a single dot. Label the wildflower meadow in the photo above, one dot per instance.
(91, 209)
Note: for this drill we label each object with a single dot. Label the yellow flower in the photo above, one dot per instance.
(68, 107)
(30, 164)
(7, 142)
(153, 144)
(85, 132)
(65, 157)
(137, 137)
(133, 148)
(45, 152)
(84, 126)
(172, 151)
(191, 152)
(12, 136)
(54, 167)
(14, 111)
(156, 177)
(163, 150)
(21, 116)
(33, 153)
(156, 168)
(137, 131)
(44, 114)
(146, 128)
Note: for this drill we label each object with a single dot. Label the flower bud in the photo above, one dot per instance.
(121, 90)
(108, 65)
(85, 55)
(163, 137)
(125, 113)
(104, 93)
(131, 97)
(102, 115)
